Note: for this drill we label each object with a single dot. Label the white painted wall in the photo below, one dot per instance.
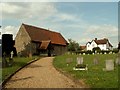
(108, 47)
(89, 46)
(93, 44)
(101, 46)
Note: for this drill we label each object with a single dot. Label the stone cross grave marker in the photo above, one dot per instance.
(79, 60)
(109, 65)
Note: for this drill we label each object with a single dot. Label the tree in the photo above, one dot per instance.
(73, 45)
(119, 46)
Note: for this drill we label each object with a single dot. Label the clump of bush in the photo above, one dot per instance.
(97, 50)
(86, 52)
(115, 50)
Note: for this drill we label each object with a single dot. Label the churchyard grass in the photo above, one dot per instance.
(17, 63)
(94, 77)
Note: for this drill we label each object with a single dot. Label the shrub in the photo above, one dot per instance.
(105, 51)
(89, 52)
(115, 50)
(96, 49)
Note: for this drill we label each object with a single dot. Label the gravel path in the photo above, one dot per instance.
(40, 74)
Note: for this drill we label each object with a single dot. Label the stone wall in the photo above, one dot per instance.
(22, 40)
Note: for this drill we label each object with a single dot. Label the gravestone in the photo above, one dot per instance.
(110, 52)
(109, 65)
(68, 53)
(11, 58)
(83, 53)
(113, 53)
(117, 61)
(95, 51)
(4, 60)
(79, 60)
(30, 55)
(11, 55)
(72, 53)
(95, 61)
(68, 61)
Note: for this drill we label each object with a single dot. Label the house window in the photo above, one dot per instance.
(93, 45)
(88, 45)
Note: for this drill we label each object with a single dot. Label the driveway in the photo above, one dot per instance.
(41, 74)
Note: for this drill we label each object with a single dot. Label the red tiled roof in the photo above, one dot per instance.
(44, 44)
(82, 47)
(102, 41)
(40, 34)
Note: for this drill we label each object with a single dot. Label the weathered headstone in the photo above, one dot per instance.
(4, 61)
(113, 53)
(11, 58)
(30, 55)
(119, 52)
(95, 51)
(83, 53)
(68, 53)
(11, 55)
(109, 65)
(68, 61)
(79, 60)
(95, 61)
(72, 53)
(110, 52)
(117, 61)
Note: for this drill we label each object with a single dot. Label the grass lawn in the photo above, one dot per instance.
(94, 77)
(18, 62)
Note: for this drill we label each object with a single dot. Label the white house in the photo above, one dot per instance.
(103, 44)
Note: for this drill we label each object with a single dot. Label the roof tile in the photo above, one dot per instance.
(40, 34)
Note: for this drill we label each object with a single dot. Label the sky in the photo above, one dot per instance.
(80, 21)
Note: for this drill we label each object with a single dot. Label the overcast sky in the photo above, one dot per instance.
(80, 21)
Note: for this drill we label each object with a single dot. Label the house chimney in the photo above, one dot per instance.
(95, 38)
